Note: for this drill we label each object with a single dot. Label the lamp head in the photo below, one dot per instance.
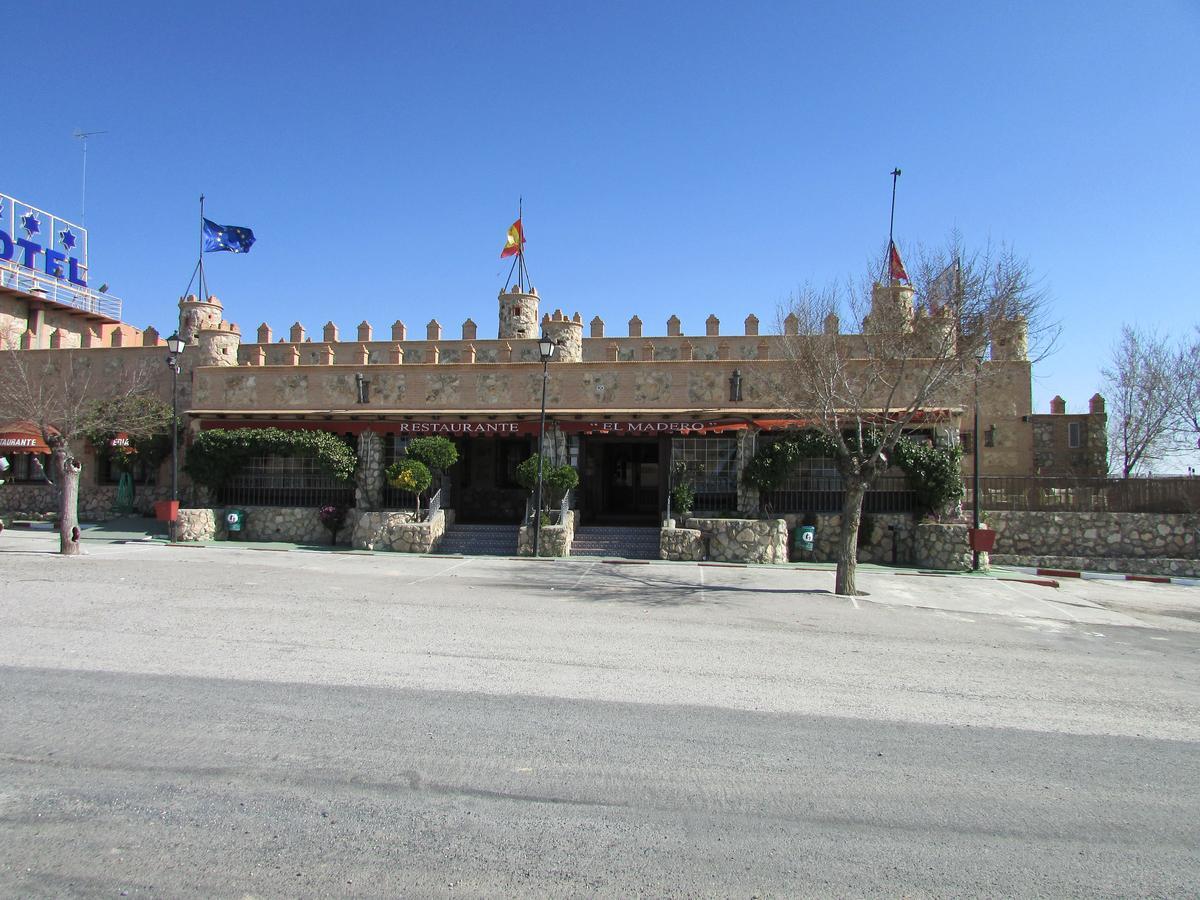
(545, 348)
(175, 344)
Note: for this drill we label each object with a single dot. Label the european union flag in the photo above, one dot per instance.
(226, 237)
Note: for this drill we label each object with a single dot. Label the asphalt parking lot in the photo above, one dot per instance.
(223, 721)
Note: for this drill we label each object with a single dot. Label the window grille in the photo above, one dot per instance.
(712, 465)
(286, 481)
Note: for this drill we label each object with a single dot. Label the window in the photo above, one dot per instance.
(510, 453)
(108, 471)
(967, 441)
(713, 460)
(29, 467)
(1074, 435)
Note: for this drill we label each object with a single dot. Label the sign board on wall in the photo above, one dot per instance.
(42, 242)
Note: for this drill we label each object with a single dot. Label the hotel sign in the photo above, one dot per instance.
(41, 242)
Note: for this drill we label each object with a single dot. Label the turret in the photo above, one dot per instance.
(891, 309)
(218, 345)
(567, 334)
(1010, 339)
(518, 314)
(195, 314)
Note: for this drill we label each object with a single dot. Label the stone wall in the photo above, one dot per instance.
(1097, 535)
(743, 540)
(945, 546)
(293, 525)
(397, 532)
(875, 539)
(1185, 568)
(682, 544)
(40, 501)
(555, 539)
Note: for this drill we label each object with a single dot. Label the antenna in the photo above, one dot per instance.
(83, 136)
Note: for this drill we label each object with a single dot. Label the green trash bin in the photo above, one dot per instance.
(806, 536)
(235, 521)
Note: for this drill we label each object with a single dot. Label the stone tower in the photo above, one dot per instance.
(195, 314)
(519, 314)
(567, 334)
(1010, 339)
(218, 345)
(891, 309)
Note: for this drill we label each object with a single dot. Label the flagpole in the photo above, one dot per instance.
(887, 263)
(521, 245)
(203, 286)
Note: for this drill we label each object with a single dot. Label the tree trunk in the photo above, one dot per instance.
(66, 470)
(844, 584)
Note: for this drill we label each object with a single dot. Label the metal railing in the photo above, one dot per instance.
(435, 505)
(1079, 494)
(21, 279)
(890, 494)
(287, 481)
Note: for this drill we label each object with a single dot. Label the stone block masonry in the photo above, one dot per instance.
(743, 540)
(398, 532)
(293, 525)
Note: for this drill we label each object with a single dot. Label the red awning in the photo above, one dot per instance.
(652, 428)
(22, 437)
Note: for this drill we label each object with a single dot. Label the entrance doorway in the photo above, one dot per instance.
(623, 481)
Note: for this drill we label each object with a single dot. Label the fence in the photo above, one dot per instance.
(891, 494)
(285, 481)
(1069, 494)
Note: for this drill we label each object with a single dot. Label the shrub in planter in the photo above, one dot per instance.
(411, 476)
(333, 518)
(683, 499)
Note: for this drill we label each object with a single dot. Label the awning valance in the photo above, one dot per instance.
(22, 437)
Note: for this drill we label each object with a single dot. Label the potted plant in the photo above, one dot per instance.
(333, 518)
(411, 476)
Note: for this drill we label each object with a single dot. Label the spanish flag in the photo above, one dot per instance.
(515, 242)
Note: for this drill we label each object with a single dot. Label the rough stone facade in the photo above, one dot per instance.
(293, 525)
(945, 547)
(743, 540)
(555, 539)
(682, 544)
(1097, 535)
(398, 532)
(40, 501)
(875, 538)
(1184, 568)
(368, 478)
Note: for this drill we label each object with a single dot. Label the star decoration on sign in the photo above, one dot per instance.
(67, 238)
(30, 223)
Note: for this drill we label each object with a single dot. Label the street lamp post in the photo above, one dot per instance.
(975, 465)
(175, 348)
(546, 351)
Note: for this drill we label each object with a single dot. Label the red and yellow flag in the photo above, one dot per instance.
(895, 266)
(515, 242)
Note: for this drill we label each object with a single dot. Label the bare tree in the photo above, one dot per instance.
(1187, 377)
(921, 348)
(66, 395)
(1143, 384)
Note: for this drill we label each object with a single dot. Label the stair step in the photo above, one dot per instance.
(616, 541)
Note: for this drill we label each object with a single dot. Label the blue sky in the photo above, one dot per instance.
(679, 158)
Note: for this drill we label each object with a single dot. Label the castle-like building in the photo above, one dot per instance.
(621, 408)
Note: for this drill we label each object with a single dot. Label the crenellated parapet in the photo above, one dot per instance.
(891, 309)
(566, 333)
(518, 314)
(218, 344)
(1010, 339)
(196, 314)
